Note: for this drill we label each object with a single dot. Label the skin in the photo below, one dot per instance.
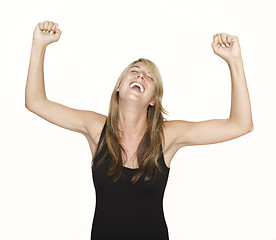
(133, 110)
(133, 105)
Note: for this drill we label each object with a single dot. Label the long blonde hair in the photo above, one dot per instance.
(148, 150)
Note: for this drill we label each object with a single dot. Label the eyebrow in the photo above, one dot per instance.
(138, 67)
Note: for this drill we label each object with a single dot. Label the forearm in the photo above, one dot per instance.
(240, 112)
(35, 89)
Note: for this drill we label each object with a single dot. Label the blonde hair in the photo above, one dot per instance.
(149, 148)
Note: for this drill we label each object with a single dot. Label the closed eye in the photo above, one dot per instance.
(148, 76)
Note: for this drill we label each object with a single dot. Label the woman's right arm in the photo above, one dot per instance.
(35, 95)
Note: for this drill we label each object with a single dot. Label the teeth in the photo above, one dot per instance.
(139, 85)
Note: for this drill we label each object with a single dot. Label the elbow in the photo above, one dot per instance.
(248, 129)
(251, 128)
(27, 102)
(27, 105)
(245, 127)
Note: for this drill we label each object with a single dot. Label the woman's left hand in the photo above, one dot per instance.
(226, 46)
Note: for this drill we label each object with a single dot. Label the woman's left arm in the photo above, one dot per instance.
(240, 113)
(187, 133)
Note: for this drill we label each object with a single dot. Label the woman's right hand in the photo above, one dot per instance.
(46, 32)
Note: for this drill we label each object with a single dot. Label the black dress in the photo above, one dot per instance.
(125, 211)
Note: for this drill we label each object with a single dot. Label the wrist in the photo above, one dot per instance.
(38, 44)
(234, 60)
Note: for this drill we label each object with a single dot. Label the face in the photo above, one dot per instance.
(138, 73)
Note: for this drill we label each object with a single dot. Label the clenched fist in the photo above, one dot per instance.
(226, 46)
(46, 32)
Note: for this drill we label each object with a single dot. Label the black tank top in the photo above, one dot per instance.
(126, 211)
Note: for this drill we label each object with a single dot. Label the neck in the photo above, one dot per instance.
(132, 121)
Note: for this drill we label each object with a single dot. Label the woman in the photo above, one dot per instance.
(133, 146)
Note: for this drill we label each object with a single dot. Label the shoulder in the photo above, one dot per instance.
(171, 132)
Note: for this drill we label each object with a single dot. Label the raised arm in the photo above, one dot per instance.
(35, 95)
(186, 133)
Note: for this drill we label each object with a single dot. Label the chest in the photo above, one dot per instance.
(130, 146)
(130, 157)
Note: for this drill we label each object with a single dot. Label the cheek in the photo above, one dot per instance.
(153, 87)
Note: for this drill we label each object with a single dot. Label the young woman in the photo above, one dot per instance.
(133, 146)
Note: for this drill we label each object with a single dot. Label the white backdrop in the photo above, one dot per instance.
(221, 191)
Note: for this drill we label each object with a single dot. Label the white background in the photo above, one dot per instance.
(221, 191)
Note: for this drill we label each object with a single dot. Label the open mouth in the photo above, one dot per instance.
(137, 87)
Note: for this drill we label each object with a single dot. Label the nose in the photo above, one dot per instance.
(140, 74)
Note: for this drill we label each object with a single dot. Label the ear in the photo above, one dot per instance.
(152, 103)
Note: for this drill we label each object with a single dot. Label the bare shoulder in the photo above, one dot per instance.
(171, 129)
